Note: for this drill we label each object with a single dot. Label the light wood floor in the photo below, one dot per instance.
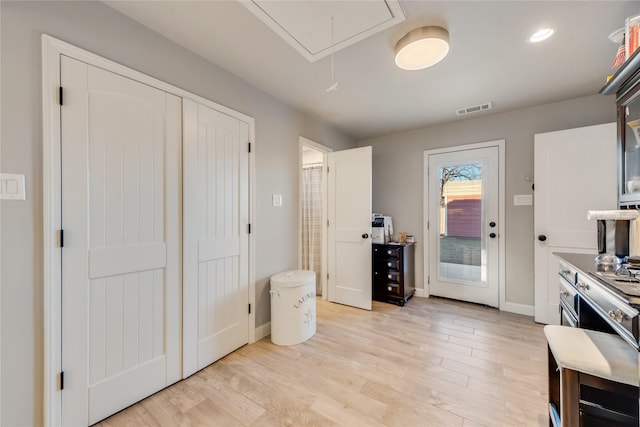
(433, 362)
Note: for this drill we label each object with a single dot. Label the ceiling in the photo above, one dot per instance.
(489, 59)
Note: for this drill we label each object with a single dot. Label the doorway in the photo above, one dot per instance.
(313, 211)
(465, 222)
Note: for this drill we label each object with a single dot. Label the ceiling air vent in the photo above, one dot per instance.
(474, 109)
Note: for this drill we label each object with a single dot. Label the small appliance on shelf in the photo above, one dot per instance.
(381, 228)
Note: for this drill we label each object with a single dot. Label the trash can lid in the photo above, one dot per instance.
(290, 279)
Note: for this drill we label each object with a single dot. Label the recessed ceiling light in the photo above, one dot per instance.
(540, 35)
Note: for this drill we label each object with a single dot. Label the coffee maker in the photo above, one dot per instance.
(613, 234)
(613, 237)
(381, 229)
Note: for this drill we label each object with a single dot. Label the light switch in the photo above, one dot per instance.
(523, 200)
(277, 200)
(12, 186)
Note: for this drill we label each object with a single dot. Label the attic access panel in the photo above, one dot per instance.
(306, 25)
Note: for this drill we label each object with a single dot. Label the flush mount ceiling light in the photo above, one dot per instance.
(540, 35)
(422, 48)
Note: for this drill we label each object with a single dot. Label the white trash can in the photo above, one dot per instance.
(293, 307)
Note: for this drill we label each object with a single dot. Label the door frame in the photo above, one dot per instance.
(305, 142)
(502, 303)
(52, 49)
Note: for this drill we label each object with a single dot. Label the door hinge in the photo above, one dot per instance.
(249, 147)
(327, 276)
(327, 223)
(62, 380)
(249, 308)
(60, 95)
(61, 238)
(249, 228)
(428, 280)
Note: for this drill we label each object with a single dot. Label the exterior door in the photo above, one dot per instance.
(349, 205)
(216, 236)
(121, 183)
(575, 171)
(463, 224)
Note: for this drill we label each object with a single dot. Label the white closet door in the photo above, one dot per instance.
(216, 237)
(121, 164)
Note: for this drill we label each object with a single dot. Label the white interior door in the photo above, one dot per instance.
(575, 171)
(349, 242)
(121, 183)
(463, 224)
(216, 237)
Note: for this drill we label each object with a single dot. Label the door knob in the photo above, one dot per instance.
(492, 235)
(365, 236)
(542, 237)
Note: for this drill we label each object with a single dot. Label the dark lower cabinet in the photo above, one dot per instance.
(393, 272)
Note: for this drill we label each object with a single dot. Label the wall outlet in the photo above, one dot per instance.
(12, 187)
(277, 200)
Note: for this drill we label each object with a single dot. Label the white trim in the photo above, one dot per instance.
(305, 142)
(262, 331)
(252, 239)
(52, 49)
(425, 230)
(502, 303)
(52, 220)
(395, 10)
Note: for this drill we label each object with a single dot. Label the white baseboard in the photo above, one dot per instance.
(513, 307)
(421, 293)
(263, 331)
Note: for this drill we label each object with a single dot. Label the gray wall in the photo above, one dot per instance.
(99, 29)
(398, 174)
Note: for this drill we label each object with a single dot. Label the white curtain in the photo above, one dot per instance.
(311, 221)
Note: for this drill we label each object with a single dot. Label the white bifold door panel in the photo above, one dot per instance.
(575, 171)
(216, 236)
(349, 212)
(121, 189)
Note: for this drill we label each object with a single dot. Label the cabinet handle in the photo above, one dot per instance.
(617, 315)
(389, 276)
(389, 288)
(565, 271)
(564, 294)
(389, 251)
(582, 286)
(388, 264)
